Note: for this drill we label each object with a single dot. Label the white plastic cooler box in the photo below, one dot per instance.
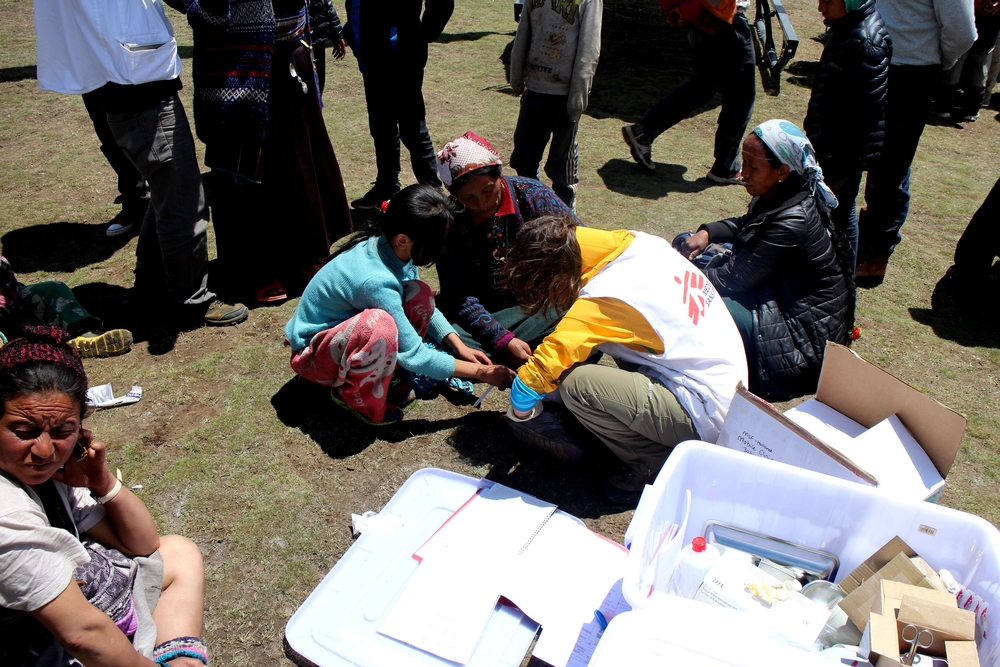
(849, 520)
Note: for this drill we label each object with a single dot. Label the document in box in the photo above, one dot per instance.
(444, 608)
(560, 579)
(447, 603)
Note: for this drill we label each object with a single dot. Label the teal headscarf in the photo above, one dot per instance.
(792, 147)
(853, 5)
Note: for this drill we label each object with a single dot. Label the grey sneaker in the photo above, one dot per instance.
(735, 179)
(642, 148)
(547, 434)
(221, 314)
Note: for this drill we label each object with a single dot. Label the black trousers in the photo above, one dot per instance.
(887, 191)
(130, 183)
(723, 61)
(396, 113)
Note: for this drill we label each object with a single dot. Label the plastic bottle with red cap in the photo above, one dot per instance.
(695, 561)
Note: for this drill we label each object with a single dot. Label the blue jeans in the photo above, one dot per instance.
(543, 116)
(725, 62)
(887, 193)
(845, 216)
(173, 242)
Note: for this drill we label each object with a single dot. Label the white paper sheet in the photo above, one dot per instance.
(448, 601)
(614, 604)
(560, 579)
(444, 608)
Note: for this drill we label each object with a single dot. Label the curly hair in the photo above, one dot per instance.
(543, 268)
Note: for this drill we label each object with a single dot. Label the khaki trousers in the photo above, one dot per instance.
(637, 418)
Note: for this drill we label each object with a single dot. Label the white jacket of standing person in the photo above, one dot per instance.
(556, 50)
(83, 45)
(929, 32)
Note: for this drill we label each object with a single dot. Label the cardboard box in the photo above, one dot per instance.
(891, 596)
(861, 601)
(853, 395)
(946, 622)
(880, 641)
(875, 562)
(961, 654)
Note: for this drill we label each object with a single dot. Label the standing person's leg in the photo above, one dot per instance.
(845, 216)
(737, 80)
(531, 134)
(562, 165)
(977, 66)
(676, 106)
(887, 190)
(412, 115)
(980, 242)
(173, 243)
(319, 57)
(356, 359)
(639, 420)
(131, 185)
(381, 88)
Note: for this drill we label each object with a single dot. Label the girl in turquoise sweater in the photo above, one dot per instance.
(367, 311)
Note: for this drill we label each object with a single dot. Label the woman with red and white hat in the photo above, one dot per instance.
(485, 314)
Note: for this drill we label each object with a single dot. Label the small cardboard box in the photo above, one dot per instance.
(891, 596)
(961, 654)
(946, 622)
(853, 394)
(861, 601)
(875, 562)
(880, 642)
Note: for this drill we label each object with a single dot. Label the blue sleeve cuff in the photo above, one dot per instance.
(523, 397)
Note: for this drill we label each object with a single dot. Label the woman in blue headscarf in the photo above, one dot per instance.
(788, 282)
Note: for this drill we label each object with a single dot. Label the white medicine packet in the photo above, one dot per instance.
(795, 620)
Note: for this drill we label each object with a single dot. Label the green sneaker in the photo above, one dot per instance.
(221, 314)
(108, 344)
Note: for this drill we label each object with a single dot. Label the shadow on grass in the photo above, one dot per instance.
(124, 308)
(8, 74)
(642, 59)
(59, 246)
(484, 438)
(307, 406)
(448, 38)
(627, 178)
(953, 315)
(803, 73)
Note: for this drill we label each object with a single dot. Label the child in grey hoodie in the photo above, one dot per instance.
(552, 63)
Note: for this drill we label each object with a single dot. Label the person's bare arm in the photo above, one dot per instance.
(86, 632)
(128, 527)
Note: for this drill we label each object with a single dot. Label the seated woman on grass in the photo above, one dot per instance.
(633, 297)
(85, 576)
(789, 282)
(367, 310)
(485, 314)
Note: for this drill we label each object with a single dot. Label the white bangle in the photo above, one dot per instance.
(112, 494)
(536, 410)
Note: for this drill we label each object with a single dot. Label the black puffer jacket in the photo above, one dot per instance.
(845, 120)
(325, 23)
(784, 265)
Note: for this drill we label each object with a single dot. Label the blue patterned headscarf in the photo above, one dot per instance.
(792, 147)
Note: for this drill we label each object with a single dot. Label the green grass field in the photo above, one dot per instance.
(261, 472)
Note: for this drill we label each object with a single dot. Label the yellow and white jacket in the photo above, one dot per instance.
(643, 303)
